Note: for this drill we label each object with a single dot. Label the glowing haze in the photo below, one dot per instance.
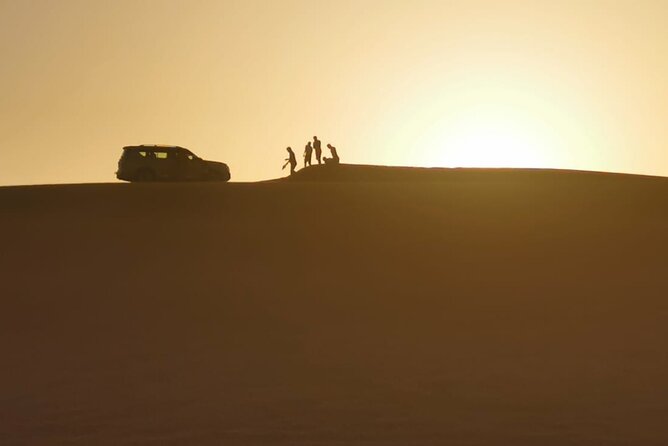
(553, 83)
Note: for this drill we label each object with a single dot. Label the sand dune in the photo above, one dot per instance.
(353, 306)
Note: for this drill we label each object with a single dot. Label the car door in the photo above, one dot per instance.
(166, 167)
(191, 168)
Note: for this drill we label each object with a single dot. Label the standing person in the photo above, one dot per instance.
(318, 148)
(335, 156)
(291, 159)
(308, 150)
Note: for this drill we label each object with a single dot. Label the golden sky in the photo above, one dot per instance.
(538, 83)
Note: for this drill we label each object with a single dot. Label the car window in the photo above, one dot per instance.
(185, 154)
(161, 155)
(134, 153)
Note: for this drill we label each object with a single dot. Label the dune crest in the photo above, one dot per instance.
(356, 305)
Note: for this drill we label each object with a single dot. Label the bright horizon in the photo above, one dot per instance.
(565, 84)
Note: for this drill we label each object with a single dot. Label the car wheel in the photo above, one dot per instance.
(145, 175)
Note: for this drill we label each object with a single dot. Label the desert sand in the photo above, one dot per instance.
(350, 306)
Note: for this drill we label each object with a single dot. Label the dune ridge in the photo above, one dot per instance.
(363, 305)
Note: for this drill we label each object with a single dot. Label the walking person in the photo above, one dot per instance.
(291, 160)
(335, 156)
(308, 151)
(318, 149)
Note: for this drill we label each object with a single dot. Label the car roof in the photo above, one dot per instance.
(153, 146)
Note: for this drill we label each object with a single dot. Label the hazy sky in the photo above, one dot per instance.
(545, 83)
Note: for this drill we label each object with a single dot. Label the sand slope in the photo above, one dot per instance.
(360, 306)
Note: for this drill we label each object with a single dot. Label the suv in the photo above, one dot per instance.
(167, 163)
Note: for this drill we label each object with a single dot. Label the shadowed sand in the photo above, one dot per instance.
(354, 306)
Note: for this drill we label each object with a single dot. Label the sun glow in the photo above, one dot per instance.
(493, 139)
(474, 120)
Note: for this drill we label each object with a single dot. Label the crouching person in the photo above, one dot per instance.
(335, 156)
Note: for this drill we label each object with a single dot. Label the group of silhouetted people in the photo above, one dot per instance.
(308, 154)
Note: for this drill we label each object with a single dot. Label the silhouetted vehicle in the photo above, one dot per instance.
(168, 163)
